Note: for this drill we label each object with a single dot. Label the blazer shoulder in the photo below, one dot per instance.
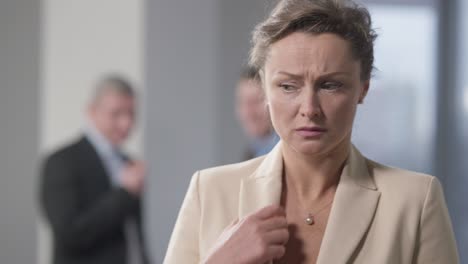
(401, 182)
(381, 171)
(229, 174)
(67, 153)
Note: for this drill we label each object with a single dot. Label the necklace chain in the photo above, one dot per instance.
(310, 217)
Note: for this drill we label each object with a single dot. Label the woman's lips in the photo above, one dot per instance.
(310, 131)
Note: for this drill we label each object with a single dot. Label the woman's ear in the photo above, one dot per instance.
(365, 89)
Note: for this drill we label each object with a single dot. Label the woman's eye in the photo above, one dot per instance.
(287, 87)
(331, 85)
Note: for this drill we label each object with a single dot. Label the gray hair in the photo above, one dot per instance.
(113, 83)
(344, 18)
(249, 73)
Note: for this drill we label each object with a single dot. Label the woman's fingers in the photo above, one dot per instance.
(275, 222)
(275, 252)
(257, 238)
(268, 212)
(277, 237)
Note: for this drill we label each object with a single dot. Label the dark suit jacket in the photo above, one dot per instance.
(86, 213)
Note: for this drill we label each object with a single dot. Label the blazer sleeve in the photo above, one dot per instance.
(184, 242)
(75, 227)
(436, 239)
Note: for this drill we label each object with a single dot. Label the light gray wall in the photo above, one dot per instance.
(180, 131)
(19, 71)
(77, 52)
(194, 53)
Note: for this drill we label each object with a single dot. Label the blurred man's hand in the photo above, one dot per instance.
(133, 176)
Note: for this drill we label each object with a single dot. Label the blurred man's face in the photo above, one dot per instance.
(251, 109)
(113, 114)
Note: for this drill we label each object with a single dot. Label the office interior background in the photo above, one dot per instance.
(185, 57)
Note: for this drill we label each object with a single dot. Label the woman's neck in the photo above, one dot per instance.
(314, 176)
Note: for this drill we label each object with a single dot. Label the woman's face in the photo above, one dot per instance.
(313, 86)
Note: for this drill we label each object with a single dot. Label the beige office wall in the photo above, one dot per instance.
(81, 41)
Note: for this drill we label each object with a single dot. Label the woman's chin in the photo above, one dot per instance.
(309, 148)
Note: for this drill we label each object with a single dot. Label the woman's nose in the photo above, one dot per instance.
(310, 106)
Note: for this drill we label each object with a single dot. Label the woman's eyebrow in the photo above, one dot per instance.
(298, 76)
(329, 74)
(292, 75)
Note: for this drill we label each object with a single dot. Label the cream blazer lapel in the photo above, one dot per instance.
(263, 187)
(352, 212)
(356, 200)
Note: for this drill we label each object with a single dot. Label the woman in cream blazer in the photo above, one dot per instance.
(314, 198)
(380, 214)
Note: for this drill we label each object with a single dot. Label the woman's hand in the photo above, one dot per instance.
(256, 239)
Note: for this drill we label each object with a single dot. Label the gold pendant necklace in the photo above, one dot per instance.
(310, 217)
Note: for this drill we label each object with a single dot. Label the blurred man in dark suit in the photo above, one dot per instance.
(90, 190)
